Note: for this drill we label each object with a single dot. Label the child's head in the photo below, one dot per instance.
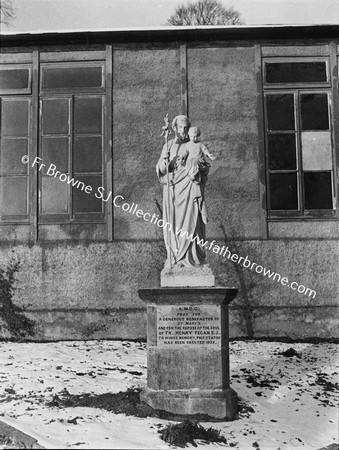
(194, 134)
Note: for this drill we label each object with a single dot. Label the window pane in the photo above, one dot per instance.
(14, 79)
(316, 150)
(88, 115)
(14, 116)
(314, 112)
(53, 196)
(55, 151)
(296, 72)
(283, 191)
(13, 196)
(55, 116)
(281, 151)
(280, 111)
(87, 154)
(318, 190)
(71, 77)
(11, 152)
(83, 202)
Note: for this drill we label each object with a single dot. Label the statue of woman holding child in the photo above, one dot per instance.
(183, 170)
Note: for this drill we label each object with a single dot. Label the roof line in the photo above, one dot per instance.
(173, 34)
(169, 28)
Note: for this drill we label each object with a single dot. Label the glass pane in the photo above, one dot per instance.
(283, 191)
(314, 112)
(316, 150)
(87, 202)
(87, 115)
(55, 116)
(296, 72)
(87, 154)
(280, 111)
(318, 190)
(281, 151)
(14, 114)
(13, 196)
(11, 152)
(55, 151)
(14, 79)
(71, 77)
(53, 196)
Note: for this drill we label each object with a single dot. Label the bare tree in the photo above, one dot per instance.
(6, 11)
(204, 12)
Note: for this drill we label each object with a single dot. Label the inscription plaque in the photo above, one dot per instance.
(189, 325)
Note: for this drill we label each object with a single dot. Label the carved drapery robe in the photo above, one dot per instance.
(184, 208)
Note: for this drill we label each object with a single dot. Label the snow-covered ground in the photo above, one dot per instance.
(294, 399)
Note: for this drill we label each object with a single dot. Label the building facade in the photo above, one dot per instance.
(81, 118)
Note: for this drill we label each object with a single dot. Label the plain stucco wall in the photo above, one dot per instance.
(145, 88)
(90, 291)
(222, 96)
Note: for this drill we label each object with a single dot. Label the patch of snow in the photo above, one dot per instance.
(293, 403)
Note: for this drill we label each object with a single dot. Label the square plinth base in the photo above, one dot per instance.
(188, 351)
(200, 276)
(220, 404)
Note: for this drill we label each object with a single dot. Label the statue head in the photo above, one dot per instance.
(180, 125)
(194, 133)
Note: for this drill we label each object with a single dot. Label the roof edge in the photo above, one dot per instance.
(166, 34)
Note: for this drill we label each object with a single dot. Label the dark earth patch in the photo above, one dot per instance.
(187, 432)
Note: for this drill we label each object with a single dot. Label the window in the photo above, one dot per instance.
(71, 145)
(296, 72)
(59, 77)
(299, 138)
(71, 141)
(69, 115)
(15, 78)
(14, 144)
(15, 114)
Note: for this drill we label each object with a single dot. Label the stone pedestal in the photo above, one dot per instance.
(188, 350)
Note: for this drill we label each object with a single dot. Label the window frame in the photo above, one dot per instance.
(21, 218)
(299, 59)
(71, 65)
(71, 216)
(19, 94)
(297, 89)
(103, 221)
(13, 66)
(70, 93)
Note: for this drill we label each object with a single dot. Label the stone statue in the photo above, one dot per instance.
(183, 170)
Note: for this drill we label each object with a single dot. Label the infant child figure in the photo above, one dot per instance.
(197, 153)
